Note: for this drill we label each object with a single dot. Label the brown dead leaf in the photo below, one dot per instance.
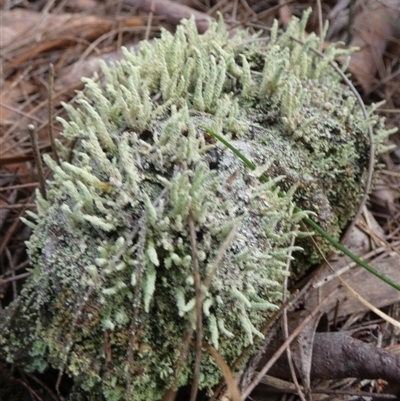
(50, 31)
(11, 93)
(11, 160)
(364, 283)
(17, 91)
(171, 11)
(15, 23)
(285, 15)
(302, 349)
(82, 5)
(71, 78)
(72, 75)
(15, 160)
(384, 198)
(373, 27)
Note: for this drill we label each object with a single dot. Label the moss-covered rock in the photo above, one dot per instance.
(111, 297)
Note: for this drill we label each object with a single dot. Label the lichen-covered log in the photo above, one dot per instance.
(111, 297)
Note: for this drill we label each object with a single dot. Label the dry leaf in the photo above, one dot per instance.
(285, 15)
(172, 12)
(82, 5)
(364, 283)
(72, 75)
(15, 23)
(65, 29)
(11, 94)
(373, 28)
(302, 348)
(383, 198)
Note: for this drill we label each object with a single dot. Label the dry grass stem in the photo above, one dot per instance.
(227, 373)
(199, 315)
(43, 385)
(14, 278)
(51, 130)
(371, 307)
(285, 327)
(38, 159)
(284, 346)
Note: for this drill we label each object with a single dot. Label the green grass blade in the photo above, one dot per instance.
(307, 220)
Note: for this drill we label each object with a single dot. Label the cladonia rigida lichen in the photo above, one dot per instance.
(111, 296)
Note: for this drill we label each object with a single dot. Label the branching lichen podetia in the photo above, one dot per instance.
(110, 247)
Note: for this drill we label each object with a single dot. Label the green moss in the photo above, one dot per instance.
(112, 238)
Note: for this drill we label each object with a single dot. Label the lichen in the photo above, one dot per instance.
(111, 296)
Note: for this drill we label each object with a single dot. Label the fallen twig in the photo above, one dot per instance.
(266, 364)
(338, 355)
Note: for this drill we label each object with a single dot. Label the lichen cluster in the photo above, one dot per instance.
(111, 297)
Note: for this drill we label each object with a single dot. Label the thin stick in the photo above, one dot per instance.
(283, 347)
(149, 21)
(13, 276)
(11, 230)
(18, 206)
(285, 327)
(272, 10)
(47, 388)
(248, 9)
(183, 352)
(196, 275)
(266, 328)
(22, 113)
(282, 386)
(356, 259)
(15, 269)
(365, 302)
(30, 115)
(321, 27)
(19, 186)
(32, 392)
(227, 373)
(234, 11)
(207, 282)
(346, 268)
(50, 112)
(38, 159)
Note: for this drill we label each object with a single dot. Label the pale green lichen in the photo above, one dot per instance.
(116, 215)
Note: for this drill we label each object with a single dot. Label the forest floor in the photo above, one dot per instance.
(47, 46)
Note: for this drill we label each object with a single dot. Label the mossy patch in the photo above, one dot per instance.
(111, 296)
